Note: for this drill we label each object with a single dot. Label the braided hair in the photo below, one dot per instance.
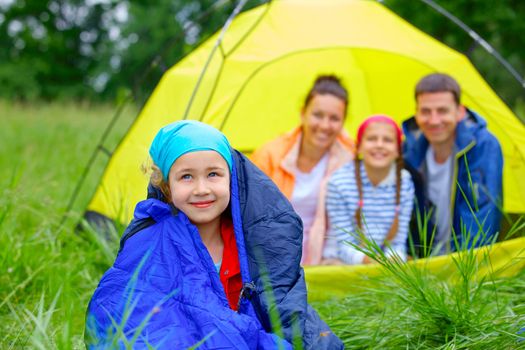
(359, 182)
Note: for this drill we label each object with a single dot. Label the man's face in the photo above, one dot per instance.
(437, 115)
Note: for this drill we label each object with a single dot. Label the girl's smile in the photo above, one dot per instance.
(203, 204)
(379, 146)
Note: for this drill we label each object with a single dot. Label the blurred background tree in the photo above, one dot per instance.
(49, 48)
(99, 50)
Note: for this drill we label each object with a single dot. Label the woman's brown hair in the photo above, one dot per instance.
(327, 85)
(158, 181)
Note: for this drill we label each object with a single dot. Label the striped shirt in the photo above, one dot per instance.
(378, 213)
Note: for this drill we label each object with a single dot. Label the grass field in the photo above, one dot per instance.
(48, 271)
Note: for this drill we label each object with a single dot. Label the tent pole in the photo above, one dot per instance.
(100, 147)
(217, 45)
(156, 61)
(478, 39)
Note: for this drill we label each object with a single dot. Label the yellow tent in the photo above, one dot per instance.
(502, 259)
(249, 80)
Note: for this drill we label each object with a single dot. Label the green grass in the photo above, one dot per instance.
(48, 272)
(410, 308)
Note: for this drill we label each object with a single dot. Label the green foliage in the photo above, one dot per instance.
(159, 34)
(74, 49)
(409, 307)
(391, 315)
(47, 272)
(49, 47)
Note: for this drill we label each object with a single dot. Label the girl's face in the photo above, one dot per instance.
(323, 120)
(200, 186)
(378, 146)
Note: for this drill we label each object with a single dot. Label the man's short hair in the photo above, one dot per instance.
(438, 82)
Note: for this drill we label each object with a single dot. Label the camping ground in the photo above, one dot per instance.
(48, 271)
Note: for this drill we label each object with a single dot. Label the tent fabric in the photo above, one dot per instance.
(251, 86)
(254, 83)
(502, 259)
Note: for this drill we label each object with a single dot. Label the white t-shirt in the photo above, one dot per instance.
(439, 178)
(218, 265)
(305, 194)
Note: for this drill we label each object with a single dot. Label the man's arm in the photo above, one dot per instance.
(485, 191)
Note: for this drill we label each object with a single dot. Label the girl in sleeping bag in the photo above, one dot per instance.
(210, 260)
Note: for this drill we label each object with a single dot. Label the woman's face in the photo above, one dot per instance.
(378, 146)
(322, 120)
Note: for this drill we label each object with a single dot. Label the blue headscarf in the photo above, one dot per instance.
(185, 136)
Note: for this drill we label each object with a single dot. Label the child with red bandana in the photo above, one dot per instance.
(371, 196)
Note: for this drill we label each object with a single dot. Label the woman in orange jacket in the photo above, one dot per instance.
(301, 161)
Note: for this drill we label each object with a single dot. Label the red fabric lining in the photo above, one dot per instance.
(230, 273)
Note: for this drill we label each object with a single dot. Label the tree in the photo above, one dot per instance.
(94, 49)
(49, 48)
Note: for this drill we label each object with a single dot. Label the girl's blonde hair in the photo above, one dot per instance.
(157, 180)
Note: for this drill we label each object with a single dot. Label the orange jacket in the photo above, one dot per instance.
(278, 159)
